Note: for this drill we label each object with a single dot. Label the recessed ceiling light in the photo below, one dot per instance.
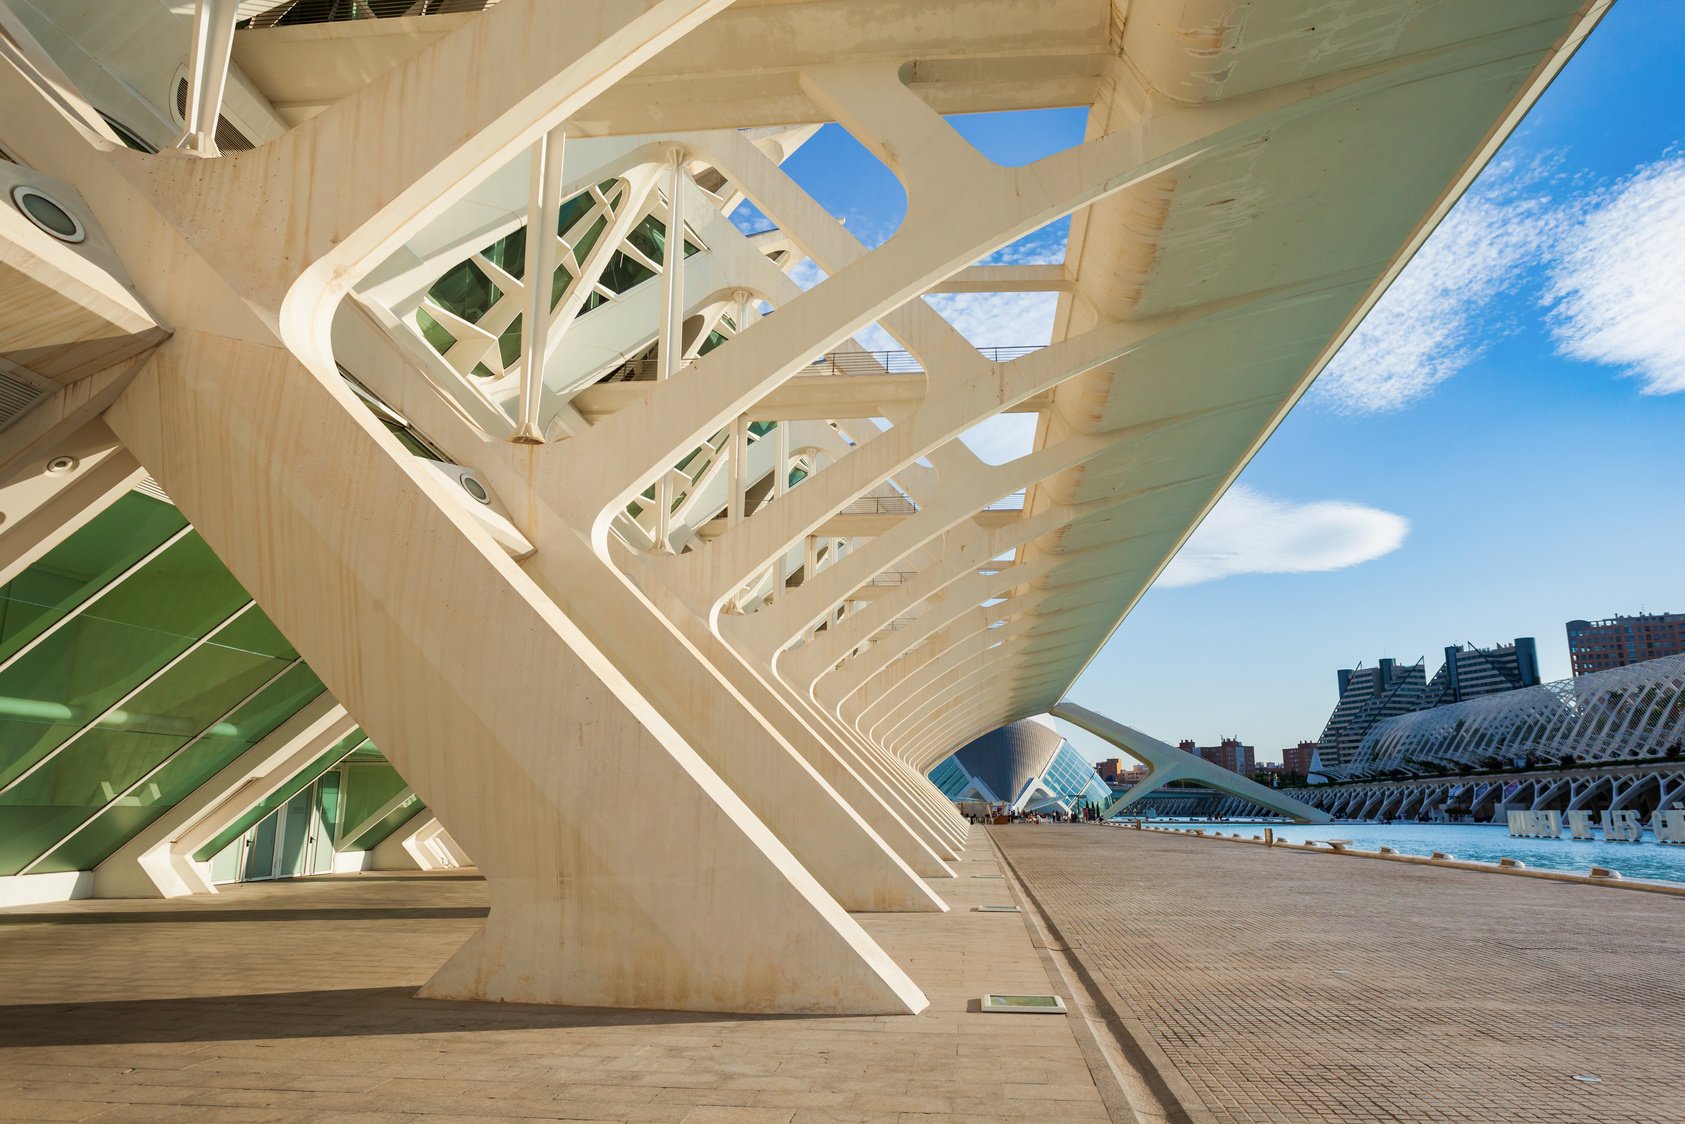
(46, 213)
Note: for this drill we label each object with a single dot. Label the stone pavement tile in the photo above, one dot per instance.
(43, 1109)
(712, 1114)
(263, 1023)
(1294, 988)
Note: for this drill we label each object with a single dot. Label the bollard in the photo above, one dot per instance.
(1513, 864)
(1386, 851)
(1441, 855)
(1269, 837)
(1604, 872)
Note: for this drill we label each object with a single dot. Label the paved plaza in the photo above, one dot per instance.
(1292, 987)
(292, 1001)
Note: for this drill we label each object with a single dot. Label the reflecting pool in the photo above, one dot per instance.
(1477, 843)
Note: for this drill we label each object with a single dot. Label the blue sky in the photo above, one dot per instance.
(1498, 450)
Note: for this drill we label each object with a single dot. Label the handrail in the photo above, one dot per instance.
(836, 363)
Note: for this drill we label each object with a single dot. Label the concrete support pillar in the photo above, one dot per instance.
(670, 341)
(543, 204)
(594, 900)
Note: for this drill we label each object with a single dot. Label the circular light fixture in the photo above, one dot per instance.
(45, 212)
(474, 488)
(60, 465)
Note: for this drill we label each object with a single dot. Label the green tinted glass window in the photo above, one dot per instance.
(509, 344)
(582, 247)
(464, 291)
(82, 565)
(509, 253)
(280, 796)
(376, 833)
(102, 764)
(122, 637)
(434, 332)
(368, 786)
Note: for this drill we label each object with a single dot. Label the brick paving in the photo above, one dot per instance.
(1291, 987)
(292, 1001)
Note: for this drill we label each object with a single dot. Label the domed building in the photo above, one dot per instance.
(1025, 766)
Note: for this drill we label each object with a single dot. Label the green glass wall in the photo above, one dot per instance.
(132, 668)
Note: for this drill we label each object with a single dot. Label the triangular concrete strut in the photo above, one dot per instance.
(1166, 763)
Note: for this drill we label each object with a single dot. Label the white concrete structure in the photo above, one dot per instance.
(685, 594)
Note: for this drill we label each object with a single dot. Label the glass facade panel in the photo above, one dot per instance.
(326, 822)
(368, 786)
(91, 661)
(293, 856)
(951, 778)
(378, 832)
(189, 768)
(101, 764)
(226, 866)
(465, 291)
(83, 564)
(132, 669)
(260, 812)
(260, 858)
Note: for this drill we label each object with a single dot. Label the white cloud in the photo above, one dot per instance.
(1045, 246)
(1430, 324)
(1618, 282)
(1251, 533)
(1608, 265)
(999, 319)
(1002, 438)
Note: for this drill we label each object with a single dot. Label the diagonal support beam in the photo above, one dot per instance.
(1166, 763)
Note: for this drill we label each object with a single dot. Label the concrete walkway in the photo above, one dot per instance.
(292, 1001)
(1292, 987)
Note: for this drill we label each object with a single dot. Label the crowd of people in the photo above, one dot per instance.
(1082, 813)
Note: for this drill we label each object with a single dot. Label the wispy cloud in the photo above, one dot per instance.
(1039, 247)
(1002, 438)
(1252, 533)
(1432, 322)
(1617, 286)
(1607, 264)
(999, 319)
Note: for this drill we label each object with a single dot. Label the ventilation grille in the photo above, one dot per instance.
(295, 12)
(152, 488)
(228, 138)
(16, 396)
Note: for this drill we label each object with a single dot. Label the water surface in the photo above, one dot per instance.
(1479, 843)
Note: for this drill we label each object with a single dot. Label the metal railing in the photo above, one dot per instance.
(833, 363)
(897, 362)
(1013, 502)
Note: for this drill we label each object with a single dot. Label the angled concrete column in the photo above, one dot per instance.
(421, 844)
(623, 871)
(158, 862)
(779, 785)
(1166, 763)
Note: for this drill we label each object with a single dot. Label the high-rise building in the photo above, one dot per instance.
(1296, 759)
(1368, 696)
(1470, 672)
(1228, 754)
(1618, 641)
